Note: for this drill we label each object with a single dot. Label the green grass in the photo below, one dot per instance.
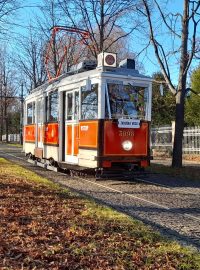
(14, 170)
(15, 144)
(11, 144)
(59, 228)
(188, 172)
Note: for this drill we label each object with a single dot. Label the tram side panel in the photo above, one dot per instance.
(29, 138)
(51, 140)
(47, 134)
(88, 143)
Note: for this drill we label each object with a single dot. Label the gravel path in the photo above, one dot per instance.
(171, 206)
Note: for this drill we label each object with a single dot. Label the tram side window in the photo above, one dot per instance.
(31, 113)
(52, 115)
(69, 106)
(89, 102)
(39, 110)
(76, 106)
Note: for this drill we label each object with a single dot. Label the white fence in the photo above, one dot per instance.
(191, 140)
(12, 137)
(162, 138)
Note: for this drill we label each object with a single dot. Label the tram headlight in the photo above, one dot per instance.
(127, 145)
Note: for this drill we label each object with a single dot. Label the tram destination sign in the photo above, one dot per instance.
(128, 123)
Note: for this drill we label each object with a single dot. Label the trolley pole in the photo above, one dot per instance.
(21, 113)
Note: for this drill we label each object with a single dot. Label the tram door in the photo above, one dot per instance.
(40, 127)
(71, 126)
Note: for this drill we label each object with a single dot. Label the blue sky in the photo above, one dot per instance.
(137, 41)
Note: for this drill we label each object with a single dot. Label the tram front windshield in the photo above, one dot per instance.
(126, 101)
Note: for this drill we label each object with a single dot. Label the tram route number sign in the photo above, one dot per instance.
(128, 123)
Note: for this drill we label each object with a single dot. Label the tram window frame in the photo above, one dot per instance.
(30, 118)
(90, 106)
(112, 100)
(39, 111)
(52, 115)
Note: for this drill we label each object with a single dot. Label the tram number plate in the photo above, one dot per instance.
(84, 128)
(128, 123)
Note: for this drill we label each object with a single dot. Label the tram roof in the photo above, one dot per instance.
(65, 78)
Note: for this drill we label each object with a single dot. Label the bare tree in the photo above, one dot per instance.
(7, 90)
(49, 18)
(30, 58)
(55, 44)
(182, 29)
(103, 19)
(8, 9)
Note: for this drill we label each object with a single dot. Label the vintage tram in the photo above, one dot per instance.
(97, 116)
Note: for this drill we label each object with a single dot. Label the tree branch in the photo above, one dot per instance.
(155, 45)
(165, 21)
(195, 23)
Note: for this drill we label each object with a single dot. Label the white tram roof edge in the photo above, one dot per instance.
(108, 73)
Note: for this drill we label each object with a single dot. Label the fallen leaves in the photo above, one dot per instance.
(48, 228)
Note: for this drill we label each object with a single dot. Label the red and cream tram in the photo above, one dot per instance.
(92, 117)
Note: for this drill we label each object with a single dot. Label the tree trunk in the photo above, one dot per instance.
(1, 130)
(179, 127)
(180, 96)
(6, 120)
(101, 32)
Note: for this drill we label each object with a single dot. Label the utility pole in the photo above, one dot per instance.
(21, 113)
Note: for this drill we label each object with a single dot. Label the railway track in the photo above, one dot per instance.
(173, 208)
